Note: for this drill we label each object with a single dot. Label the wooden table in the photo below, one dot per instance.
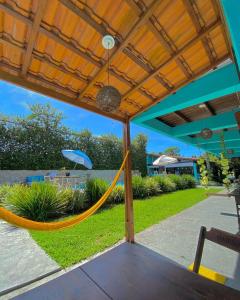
(130, 271)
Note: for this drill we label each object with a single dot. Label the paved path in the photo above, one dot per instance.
(21, 259)
(177, 236)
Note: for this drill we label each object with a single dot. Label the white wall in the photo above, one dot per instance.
(13, 176)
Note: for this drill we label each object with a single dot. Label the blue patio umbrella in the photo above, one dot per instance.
(78, 157)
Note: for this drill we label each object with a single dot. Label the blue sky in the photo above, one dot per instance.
(15, 100)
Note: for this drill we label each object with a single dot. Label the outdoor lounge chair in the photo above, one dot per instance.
(223, 238)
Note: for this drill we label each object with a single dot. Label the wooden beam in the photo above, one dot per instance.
(196, 22)
(124, 43)
(134, 6)
(50, 92)
(33, 35)
(237, 116)
(7, 9)
(137, 60)
(205, 32)
(129, 223)
(210, 108)
(167, 45)
(83, 14)
(181, 116)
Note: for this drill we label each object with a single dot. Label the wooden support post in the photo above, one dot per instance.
(199, 252)
(129, 226)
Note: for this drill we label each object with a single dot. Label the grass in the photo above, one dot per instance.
(71, 245)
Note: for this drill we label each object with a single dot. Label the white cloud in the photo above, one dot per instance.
(24, 104)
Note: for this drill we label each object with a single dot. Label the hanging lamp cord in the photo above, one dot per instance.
(108, 63)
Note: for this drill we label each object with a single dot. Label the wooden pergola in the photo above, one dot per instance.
(54, 48)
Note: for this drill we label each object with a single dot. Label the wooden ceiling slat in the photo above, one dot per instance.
(204, 33)
(195, 20)
(33, 35)
(215, 7)
(182, 116)
(163, 82)
(207, 109)
(124, 43)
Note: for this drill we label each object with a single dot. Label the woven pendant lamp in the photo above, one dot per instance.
(108, 98)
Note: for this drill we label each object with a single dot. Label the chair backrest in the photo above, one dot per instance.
(223, 238)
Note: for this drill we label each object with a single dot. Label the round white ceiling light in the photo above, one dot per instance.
(108, 42)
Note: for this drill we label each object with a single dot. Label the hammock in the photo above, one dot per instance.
(28, 224)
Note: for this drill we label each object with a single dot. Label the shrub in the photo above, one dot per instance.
(189, 181)
(165, 184)
(39, 202)
(95, 188)
(78, 201)
(117, 195)
(139, 187)
(4, 191)
(179, 181)
(151, 186)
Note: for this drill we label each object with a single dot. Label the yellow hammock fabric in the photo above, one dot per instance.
(28, 224)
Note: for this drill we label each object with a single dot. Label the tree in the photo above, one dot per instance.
(139, 156)
(36, 141)
(172, 151)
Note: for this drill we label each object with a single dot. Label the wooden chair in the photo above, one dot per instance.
(223, 238)
(237, 200)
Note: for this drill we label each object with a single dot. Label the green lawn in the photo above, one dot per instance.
(105, 228)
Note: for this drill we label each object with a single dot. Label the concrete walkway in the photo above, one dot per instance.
(177, 237)
(21, 259)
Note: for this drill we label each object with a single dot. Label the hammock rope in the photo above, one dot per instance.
(43, 226)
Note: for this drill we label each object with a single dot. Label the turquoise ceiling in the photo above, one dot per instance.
(218, 83)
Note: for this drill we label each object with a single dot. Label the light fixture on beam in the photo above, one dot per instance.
(202, 105)
(108, 98)
(230, 151)
(206, 133)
